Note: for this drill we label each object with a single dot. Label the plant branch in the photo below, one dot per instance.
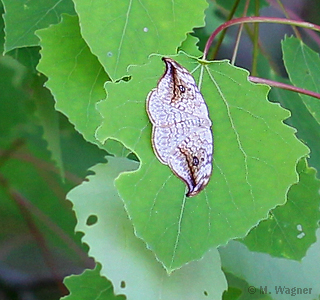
(35, 232)
(230, 16)
(256, 20)
(255, 42)
(284, 86)
(236, 46)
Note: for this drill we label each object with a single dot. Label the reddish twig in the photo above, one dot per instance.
(284, 86)
(256, 20)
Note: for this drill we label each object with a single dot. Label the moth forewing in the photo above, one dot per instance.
(181, 134)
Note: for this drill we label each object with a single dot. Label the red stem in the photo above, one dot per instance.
(284, 86)
(255, 20)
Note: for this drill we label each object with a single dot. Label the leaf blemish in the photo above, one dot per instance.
(91, 220)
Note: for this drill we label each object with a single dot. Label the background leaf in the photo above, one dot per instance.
(49, 120)
(124, 258)
(291, 228)
(262, 270)
(239, 289)
(1, 28)
(22, 18)
(127, 32)
(90, 285)
(34, 214)
(27, 197)
(12, 77)
(228, 5)
(303, 67)
(249, 177)
(27, 56)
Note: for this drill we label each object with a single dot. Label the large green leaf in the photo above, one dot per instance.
(292, 227)
(75, 77)
(23, 17)
(133, 269)
(254, 162)
(303, 67)
(123, 33)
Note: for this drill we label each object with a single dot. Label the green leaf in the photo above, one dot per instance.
(116, 148)
(308, 129)
(1, 28)
(262, 271)
(254, 162)
(75, 77)
(27, 56)
(124, 33)
(239, 289)
(303, 67)
(291, 228)
(90, 285)
(30, 178)
(189, 46)
(78, 154)
(127, 263)
(49, 120)
(22, 18)
(13, 104)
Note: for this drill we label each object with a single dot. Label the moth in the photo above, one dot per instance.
(181, 131)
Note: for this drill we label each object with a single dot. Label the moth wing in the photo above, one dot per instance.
(181, 133)
(191, 160)
(181, 90)
(166, 138)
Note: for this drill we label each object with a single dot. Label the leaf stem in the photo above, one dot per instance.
(284, 86)
(256, 20)
(230, 16)
(236, 46)
(255, 42)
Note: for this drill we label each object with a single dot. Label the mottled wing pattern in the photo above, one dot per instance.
(181, 134)
(192, 161)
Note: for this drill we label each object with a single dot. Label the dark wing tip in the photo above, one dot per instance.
(195, 190)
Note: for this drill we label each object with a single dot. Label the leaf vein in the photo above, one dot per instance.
(122, 37)
(179, 231)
